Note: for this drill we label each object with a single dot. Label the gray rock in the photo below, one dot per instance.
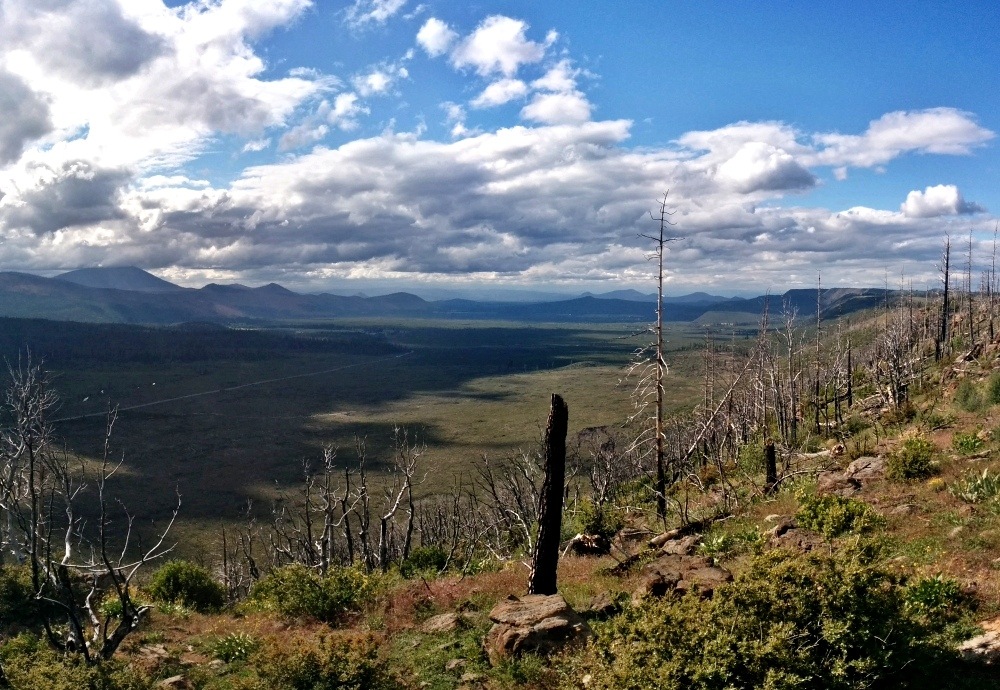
(684, 546)
(176, 683)
(867, 467)
(442, 623)
(534, 623)
(680, 573)
(838, 483)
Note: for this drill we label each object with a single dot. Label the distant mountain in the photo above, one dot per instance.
(25, 295)
(119, 278)
(636, 296)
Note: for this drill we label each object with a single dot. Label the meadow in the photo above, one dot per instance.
(229, 423)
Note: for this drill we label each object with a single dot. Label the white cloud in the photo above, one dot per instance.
(436, 37)
(760, 166)
(936, 130)
(498, 46)
(346, 110)
(939, 200)
(557, 108)
(379, 80)
(364, 12)
(500, 92)
(255, 145)
(561, 78)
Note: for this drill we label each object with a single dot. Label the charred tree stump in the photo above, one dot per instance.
(545, 559)
(770, 467)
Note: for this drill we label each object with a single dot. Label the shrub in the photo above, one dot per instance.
(993, 389)
(750, 458)
(937, 597)
(913, 460)
(977, 488)
(294, 590)
(604, 520)
(17, 601)
(968, 397)
(28, 662)
(833, 515)
(182, 582)
(235, 647)
(322, 664)
(424, 559)
(968, 443)
(725, 544)
(787, 621)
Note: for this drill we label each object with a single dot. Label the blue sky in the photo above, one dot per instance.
(391, 144)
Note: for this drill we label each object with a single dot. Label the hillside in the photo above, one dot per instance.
(882, 528)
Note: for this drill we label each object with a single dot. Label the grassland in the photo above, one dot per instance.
(237, 425)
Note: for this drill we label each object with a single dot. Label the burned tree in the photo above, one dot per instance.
(545, 559)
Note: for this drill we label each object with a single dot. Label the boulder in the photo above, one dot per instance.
(535, 623)
(683, 546)
(442, 623)
(794, 539)
(839, 483)
(680, 573)
(867, 467)
(176, 683)
(589, 545)
(602, 606)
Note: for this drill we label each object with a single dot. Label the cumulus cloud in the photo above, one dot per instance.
(364, 12)
(379, 79)
(499, 45)
(939, 200)
(500, 92)
(436, 37)
(25, 117)
(557, 108)
(760, 166)
(935, 130)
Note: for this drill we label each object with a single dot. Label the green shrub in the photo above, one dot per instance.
(725, 544)
(787, 621)
(424, 559)
(912, 460)
(235, 647)
(967, 443)
(937, 597)
(326, 663)
(833, 515)
(604, 520)
(294, 590)
(977, 488)
(17, 601)
(993, 389)
(29, 663)
(182, 582)
(968, 397)
(750, 458)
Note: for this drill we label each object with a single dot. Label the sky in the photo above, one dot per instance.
(382, 145)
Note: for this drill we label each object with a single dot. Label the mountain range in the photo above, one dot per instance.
(131, 295)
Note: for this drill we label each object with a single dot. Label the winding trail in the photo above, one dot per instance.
(216, 391)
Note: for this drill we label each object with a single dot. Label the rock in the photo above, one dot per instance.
(471, 678)
(683, 547)
(443, 623)
(955, 532)
(534, 623)
(630, 536)
(455, 664)
(602, 606)
(176, 683)
(783, 525)
(905, 509)
(772, 517)
(681, 573)
(216, 664)
(984, 649)
(867, 467)
(838, 483)
(798, 540)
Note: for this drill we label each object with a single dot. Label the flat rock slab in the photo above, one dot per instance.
(868, 467)
(680, 573)
(984, 649)
(535, 623)
(446, 622)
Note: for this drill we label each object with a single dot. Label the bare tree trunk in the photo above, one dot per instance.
(771, 466)
(545, 559)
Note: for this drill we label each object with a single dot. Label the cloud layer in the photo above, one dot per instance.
(98, 137)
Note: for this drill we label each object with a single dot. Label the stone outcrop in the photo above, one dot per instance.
(535, 623)
(680, 573)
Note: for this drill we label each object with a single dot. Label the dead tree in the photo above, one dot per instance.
(944, 269)
(545, 559)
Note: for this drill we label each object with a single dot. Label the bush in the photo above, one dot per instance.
(833, 515)
(993, 389)
(182, 582)
(936, 597)
(294, 590)
(968, 397)
(28, 662)
(977, 488)
(17, 601)
(913, 460)
(967, 444)
(235, 647)
(604, 520)
(323, 664)
(424, 559)
(788, 621)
